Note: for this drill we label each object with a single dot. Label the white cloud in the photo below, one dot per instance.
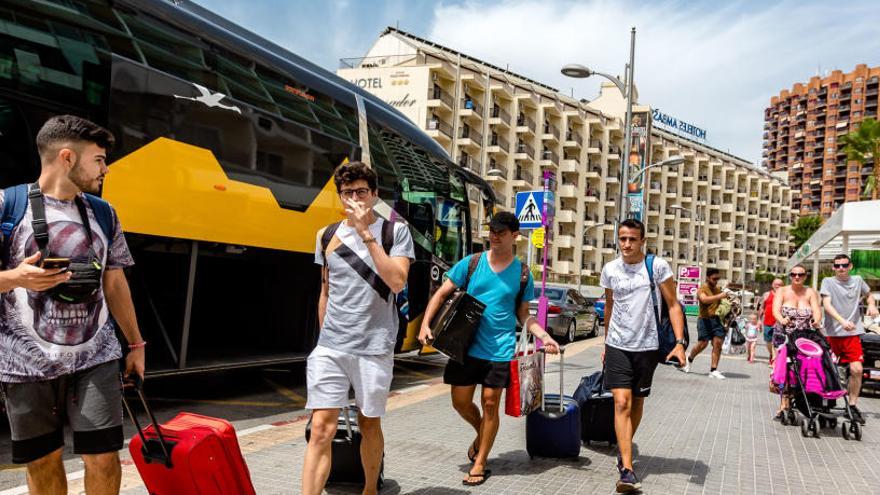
(715, 67)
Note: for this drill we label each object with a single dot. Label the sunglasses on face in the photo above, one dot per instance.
(360, 192)
(793, 274)
(841, 265)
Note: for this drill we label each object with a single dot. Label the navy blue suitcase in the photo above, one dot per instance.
(597, 410)
(555, 429)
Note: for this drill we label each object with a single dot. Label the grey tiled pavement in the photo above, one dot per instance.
(698, 435)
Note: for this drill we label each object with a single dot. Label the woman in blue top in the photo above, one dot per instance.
(495, 282)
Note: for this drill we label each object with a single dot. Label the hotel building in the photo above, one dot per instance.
(510, 128)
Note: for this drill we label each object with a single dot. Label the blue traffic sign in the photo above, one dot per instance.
(529, 206)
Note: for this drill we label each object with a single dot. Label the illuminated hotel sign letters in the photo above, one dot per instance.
(679, 125)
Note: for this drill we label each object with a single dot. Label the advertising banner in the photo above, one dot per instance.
(637, 158)
(688, 285)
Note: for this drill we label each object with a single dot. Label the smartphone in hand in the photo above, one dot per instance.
(55, 263)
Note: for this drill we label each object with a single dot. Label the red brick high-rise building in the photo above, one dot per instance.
(802, 127)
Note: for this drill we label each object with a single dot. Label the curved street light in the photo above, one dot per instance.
(672, 161)
(587, 228)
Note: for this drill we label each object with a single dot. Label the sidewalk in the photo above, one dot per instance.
(698, 435)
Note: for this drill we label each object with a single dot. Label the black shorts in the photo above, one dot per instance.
(89, 401)
(630, 369)
(475, 371)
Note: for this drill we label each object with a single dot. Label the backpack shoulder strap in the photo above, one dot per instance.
(472, 267)
(387, 236)
(523, 282)
(14, 205)
(103, 215)
(649, 264)
(328, 234)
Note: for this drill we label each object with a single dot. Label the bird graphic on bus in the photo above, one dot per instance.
(210, 99)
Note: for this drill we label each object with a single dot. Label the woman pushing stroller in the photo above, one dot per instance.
(796, 309)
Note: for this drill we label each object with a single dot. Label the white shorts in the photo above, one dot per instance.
(330, 374)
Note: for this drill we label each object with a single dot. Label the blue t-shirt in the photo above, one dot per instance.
(496, 338)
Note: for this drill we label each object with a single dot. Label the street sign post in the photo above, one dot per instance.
(529, 209)
(548, 213)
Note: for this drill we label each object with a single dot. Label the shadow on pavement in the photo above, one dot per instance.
(435, 490)
(517, 462)
(697, 470)
(735, 376)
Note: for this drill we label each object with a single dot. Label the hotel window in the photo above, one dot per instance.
(852, 180)
(857, 101)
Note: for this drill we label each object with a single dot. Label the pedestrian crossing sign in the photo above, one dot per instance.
(529, 207)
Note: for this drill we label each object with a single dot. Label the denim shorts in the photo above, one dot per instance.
(708, 328)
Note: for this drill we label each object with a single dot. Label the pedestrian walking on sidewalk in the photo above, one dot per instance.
(709, 326)
(841, 296)
(358, 325)
(769, 320)
(751, 333)
(631, 339)
(59, 354)
(496, 282)
(796, 308)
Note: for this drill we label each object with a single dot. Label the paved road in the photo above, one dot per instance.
(699, 435)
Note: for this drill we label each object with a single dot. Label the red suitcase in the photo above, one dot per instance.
(191, 454)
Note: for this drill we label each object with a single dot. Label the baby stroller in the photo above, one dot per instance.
(806, 374)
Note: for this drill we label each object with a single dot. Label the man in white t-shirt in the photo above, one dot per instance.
(631, 343)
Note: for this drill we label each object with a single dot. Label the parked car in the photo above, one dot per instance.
(569, 314)
(599, 307)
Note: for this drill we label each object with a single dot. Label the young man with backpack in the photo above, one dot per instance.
(60, 353)
(358, 324)
(631, 336)
(709, 326)
(495, 278)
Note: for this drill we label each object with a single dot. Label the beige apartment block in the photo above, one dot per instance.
(509, 129)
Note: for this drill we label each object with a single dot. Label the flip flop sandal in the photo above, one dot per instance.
(473, 457)
(483, 477)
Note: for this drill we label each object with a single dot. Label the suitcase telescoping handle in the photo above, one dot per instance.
(149, 454)
(349, 431)
(561, 369)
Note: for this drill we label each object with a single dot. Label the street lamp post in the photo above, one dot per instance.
(626, 89)
(701, 219)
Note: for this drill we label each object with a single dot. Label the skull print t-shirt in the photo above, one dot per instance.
(42, 338)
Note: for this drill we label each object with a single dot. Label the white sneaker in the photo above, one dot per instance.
(687, 366)
(717, 374)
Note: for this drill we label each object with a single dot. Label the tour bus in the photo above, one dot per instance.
(222, 170)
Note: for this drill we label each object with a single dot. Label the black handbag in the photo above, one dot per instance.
(457, 320)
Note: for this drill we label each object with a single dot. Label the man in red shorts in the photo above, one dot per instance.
(841, 296)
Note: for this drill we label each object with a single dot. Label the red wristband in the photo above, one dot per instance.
(139, 345)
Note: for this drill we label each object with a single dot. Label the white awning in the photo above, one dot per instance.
(853, 226)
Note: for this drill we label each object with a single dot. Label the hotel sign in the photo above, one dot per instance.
(678, 125)
(404, 88)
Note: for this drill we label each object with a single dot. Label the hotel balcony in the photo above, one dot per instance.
(548, 158)
(438, 97)
(572, 139)
(496, 172)
(439, 130)
(522, 179)
(525, 125)
(567, 191)
(523, 151)
(566, 216)
(470, 109)
(469, 138)
(569, 165)
(550, 133)
(499, 117)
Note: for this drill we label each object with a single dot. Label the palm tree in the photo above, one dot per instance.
(803, 229)
(863, 145)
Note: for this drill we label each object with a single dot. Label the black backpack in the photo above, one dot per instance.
(665, 335)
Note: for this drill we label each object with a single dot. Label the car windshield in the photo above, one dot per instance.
(553, 293)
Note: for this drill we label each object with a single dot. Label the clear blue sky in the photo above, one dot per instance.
(713, 64)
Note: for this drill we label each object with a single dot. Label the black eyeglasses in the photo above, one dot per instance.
(360, 192)
(793, 274)
(841, 265)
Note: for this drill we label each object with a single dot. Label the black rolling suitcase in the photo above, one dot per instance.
(597, 410)
(345, 465)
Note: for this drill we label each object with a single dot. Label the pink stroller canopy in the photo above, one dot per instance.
(808, 347)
